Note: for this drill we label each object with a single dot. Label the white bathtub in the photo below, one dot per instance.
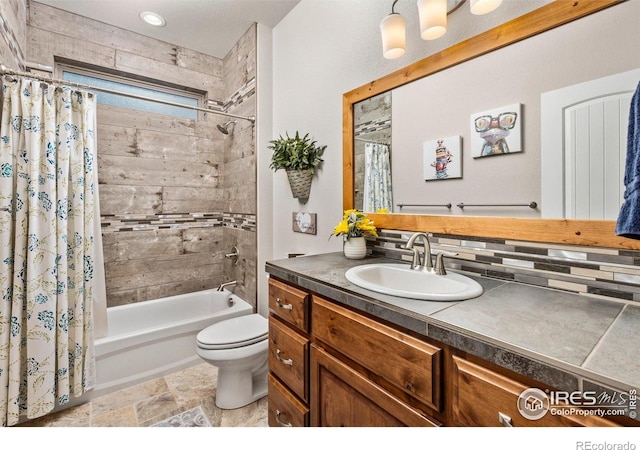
(152, 338)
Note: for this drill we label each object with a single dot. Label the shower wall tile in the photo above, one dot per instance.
(159, 262)
(372, 123)
(43, 46)
(239, 65)
(245, 271)
(174, 193)
(13, 30)
(239, 174)
(55, 35)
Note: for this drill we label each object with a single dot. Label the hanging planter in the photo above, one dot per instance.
(299, 156)
(300, 183)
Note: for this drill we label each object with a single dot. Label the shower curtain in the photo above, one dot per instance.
(377, 178)
(48, 251)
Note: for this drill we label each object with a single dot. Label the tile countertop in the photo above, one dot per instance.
(568, 341)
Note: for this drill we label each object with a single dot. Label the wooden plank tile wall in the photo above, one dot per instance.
(152, 165)
(12, 33)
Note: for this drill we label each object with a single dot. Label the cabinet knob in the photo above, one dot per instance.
(504, 420)
(281, 423)
(288, 362)
(279, 304)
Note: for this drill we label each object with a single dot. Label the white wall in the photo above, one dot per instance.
(321, 50)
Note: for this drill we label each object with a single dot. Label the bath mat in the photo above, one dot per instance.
(194, 417)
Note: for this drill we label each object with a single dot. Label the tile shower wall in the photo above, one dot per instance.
(372, 123)
(239, 174)
(12, 33)
(608, 273)
(166, 205)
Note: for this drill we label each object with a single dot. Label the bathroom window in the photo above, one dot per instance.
(149, 90)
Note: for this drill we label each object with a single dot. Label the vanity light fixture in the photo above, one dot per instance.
(433, 18)
(479, 7)
(153, 19)
(433, 22)
(393, 29)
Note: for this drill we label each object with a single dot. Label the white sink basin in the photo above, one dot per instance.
(399, 280)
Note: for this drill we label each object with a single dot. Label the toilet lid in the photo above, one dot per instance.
(234, 332)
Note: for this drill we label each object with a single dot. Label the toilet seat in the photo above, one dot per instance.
(233, 333)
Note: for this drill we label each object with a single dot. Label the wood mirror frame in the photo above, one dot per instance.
(593, 233)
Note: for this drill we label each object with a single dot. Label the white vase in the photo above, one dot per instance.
(355, 248)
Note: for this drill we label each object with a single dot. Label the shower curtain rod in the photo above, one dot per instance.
(5, 71)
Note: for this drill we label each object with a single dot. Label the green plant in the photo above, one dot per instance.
(296, 153)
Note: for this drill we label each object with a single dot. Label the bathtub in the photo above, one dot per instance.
(152, 338)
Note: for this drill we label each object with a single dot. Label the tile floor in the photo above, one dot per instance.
(154, 401)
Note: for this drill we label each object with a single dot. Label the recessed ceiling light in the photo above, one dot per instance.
(153, 19)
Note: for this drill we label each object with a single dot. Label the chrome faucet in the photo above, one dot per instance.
(415, 263)
(427, 266)
(224, 285)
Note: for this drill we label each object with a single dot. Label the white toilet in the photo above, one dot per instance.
(238, 347)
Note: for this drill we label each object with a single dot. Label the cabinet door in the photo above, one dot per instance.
(289, 303)
(482, 397)
(411, 365)
(342, 397)
(288, 357)
(285, 410)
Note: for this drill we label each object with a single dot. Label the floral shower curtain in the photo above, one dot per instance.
(377, 178)
(48, 188)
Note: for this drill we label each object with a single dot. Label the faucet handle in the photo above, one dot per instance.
(415, 261)
(439, 268)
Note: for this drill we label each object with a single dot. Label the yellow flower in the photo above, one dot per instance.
(382, 211)
(341, 228)
(348, 212)
(355, 224)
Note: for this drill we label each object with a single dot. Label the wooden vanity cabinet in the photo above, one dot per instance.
(332, 366)
(288, 387)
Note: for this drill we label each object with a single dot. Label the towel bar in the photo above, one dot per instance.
(400, 205)
(532, 205)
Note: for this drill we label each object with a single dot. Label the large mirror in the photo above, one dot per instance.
(423, 113)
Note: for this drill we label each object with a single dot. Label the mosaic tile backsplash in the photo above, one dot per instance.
(603, 272)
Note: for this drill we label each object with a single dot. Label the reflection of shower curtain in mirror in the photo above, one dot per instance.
(377, 178)
(50, 252)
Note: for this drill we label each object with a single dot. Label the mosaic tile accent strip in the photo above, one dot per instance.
(372, 125)
(216, 105)
(12, 42)
(142, 222)
(245, 222)
(241, 95)
(602, 272)
(194, 417)
(236, 99)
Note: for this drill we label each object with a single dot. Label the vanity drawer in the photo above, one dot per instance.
(289, 303)
(405, 362)
(289, 357)
(482, 397)
(285, 410)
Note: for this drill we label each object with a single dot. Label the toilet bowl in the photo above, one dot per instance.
(238, 347)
